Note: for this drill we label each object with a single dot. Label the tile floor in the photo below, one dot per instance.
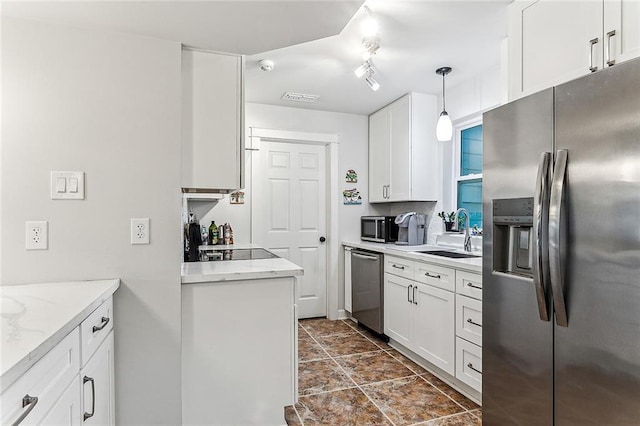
(348, 376)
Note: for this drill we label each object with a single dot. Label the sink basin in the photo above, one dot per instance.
(451, 254)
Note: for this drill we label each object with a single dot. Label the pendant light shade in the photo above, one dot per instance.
(444, 128)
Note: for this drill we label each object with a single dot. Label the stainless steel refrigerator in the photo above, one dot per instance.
(561, 271)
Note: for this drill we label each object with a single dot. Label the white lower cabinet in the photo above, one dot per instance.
(469, 330)
(469, 363)
(97, 386)
(420, 317)
(66, 411)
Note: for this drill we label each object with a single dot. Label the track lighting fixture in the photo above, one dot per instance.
(370, 46)
(369, 26)
(371, 82)
(444, 128)
(363, 69)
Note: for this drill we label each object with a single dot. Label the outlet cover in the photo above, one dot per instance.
(37, 235)
(140, 230)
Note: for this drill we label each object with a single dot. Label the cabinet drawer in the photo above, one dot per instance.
(46, 380)
(95, 328)
(436, 276)
(398, 266)
(469, 363)
(469, 284)
(469, 319)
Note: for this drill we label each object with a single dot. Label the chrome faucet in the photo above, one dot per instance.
(467, 237)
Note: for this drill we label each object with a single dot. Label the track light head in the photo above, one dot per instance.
(371, 82)
(363, 69)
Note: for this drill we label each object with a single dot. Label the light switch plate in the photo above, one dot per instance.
(67, 185)
(37, 235)
(140, 230)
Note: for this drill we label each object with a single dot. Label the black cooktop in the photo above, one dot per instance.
(240, 254)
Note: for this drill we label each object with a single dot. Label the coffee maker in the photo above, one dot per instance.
(411, 228)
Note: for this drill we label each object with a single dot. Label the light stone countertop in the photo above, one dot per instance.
(36, 317)
(409, 252)
(234, 270)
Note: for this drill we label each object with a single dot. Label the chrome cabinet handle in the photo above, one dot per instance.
(415, 302)
(409, 293)
(540, 227)
(610, 34)
(474, 286)
(398, 267)
(86, 415)
(592, 42)
(470, 321)
(28, 402)
(431, 275)
(105, 321)
(556, 229)
(474, 369)
(384, 189)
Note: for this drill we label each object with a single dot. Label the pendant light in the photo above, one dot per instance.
(444, 128)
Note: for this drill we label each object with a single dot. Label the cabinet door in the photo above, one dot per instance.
(400, 150)
(97, 386)
(550, 43)
(434, 332)
(623, 17)
(347, 279)
(379, 155)
(398, 309)
(66, 410)
(213, 115)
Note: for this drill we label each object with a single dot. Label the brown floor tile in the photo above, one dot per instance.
(302, 333)
(323, 327)
(321, 376)
(309, 350)
(464, 419)
(346, 344)
(344, 407)
(374, 338)
(410, 400)
(373, 367)
(477, 413)
(465, 402)
(291, 417)
(350, 323)
(407, 362)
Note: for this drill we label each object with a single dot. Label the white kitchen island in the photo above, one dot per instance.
(239, 341)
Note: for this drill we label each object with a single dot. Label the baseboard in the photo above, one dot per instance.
(343, 314)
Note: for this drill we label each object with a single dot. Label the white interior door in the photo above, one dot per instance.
(289, 214)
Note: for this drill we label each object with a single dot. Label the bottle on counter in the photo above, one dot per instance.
(205, 237)
(221, 234)
(227, 234)
(230, 234)
(213, 233)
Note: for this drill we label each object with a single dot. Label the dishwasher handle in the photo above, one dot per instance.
(363, 256)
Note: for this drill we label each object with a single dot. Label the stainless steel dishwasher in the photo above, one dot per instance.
(367, 288)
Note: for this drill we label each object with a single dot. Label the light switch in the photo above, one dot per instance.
(61, 185)
(73, 184)
(67, 185)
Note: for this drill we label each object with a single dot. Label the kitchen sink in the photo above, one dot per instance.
(451, 254)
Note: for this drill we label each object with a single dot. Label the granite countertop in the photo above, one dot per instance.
(234, 270)
(410, 252)
(36, 317)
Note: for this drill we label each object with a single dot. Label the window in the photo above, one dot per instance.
(469, 171)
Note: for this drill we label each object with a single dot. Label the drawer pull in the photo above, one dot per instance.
(27, 401)
(398, 267)
(86, 415)
(105, 321)
(431, 275)
(474, 369)
(470, 321)
(474, 286)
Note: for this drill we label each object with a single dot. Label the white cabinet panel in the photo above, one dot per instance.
(400, 171)
(469, 284)
(436, 276)
(469, 319)
(98, 393)
(469, 363)
(621, 30)
(66, 410)
(379, 155)
(398, 309)
(434, 335)
(347, 279)
(95, 329)
(399, 266)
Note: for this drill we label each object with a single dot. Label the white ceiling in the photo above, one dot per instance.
(314, 44)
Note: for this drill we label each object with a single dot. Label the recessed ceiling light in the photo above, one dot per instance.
(299, 97)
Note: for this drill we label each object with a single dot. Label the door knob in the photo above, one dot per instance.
(323, 239)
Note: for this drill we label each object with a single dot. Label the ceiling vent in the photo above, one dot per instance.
(299, 97)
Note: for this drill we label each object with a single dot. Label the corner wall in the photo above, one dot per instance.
(107, 104)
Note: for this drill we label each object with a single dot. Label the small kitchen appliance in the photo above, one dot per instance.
(378, 229)
(410, 228)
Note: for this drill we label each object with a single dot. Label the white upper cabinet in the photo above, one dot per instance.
(554, 41)
(404, 155)
(212, 121)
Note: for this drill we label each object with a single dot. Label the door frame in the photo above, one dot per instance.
(330, 141)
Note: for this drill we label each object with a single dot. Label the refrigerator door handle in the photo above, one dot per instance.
(555, 235)
(541, 215)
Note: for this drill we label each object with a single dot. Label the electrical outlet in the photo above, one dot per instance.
(140, 230)
(37, 235)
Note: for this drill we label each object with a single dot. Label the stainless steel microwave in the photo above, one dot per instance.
(379, 229)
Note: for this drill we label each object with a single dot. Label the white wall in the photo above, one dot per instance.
(109, 105)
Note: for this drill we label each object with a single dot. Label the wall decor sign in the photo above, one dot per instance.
(351, 197)
(351, 176)
(236, 198)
